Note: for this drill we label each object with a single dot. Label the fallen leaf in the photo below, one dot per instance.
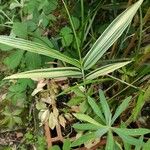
(62, 121)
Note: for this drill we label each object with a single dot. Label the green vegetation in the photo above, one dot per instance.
(66, 67)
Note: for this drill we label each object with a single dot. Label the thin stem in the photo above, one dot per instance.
(140, 32)
(3, 25)
(74, 32)
(126, 88)
(6, 16)
(130, 85)
(82, 11)
(77, 43)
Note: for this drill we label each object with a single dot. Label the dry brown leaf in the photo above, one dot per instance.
(44, 115)
(39, 87)
(55, 112)
(62, 121)
(52, 121)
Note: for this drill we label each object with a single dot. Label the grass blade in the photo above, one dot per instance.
(37, 48)
(110, 35)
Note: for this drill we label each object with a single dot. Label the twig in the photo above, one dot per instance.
(48, 135)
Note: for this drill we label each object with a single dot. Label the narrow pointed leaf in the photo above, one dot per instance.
(146, 145)
(139, 147)
(87, 118)
(96, 108)
(48, 73)
(105, 107)
(132, 132)
(120, 109)
(128, 139)
(67, 144)
(85, 138)
(85, 126)
(110, 141)
(110, 35)
(37, 48)
(105, 70)
(101, 132)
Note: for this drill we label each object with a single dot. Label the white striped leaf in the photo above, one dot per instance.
(37, 48)
(104, 70)
(110, 35)
(48, 73)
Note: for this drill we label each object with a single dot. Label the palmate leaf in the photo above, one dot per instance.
(48, 73)
(105, 70)
(110, 35)
(37, 48)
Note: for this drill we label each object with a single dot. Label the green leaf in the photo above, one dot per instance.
(4, 47)
(105, 70)
(55, 147)
(76, 22)
(67, 36)
(14, 60)
(20, 29)
(101, 132)
(121, 108)
(132, 132)
(138, 147)
(96, 108)
(85, 126)
(33, 61)
(17, 120)
(49, 6)
(110, 141)
(48, 73)
(146, 145)
(110, 35)
(84, 138)
(128, 139)
(67, 144)
(37, 48)
(105, 107)
(75, 101)
(87, 118)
